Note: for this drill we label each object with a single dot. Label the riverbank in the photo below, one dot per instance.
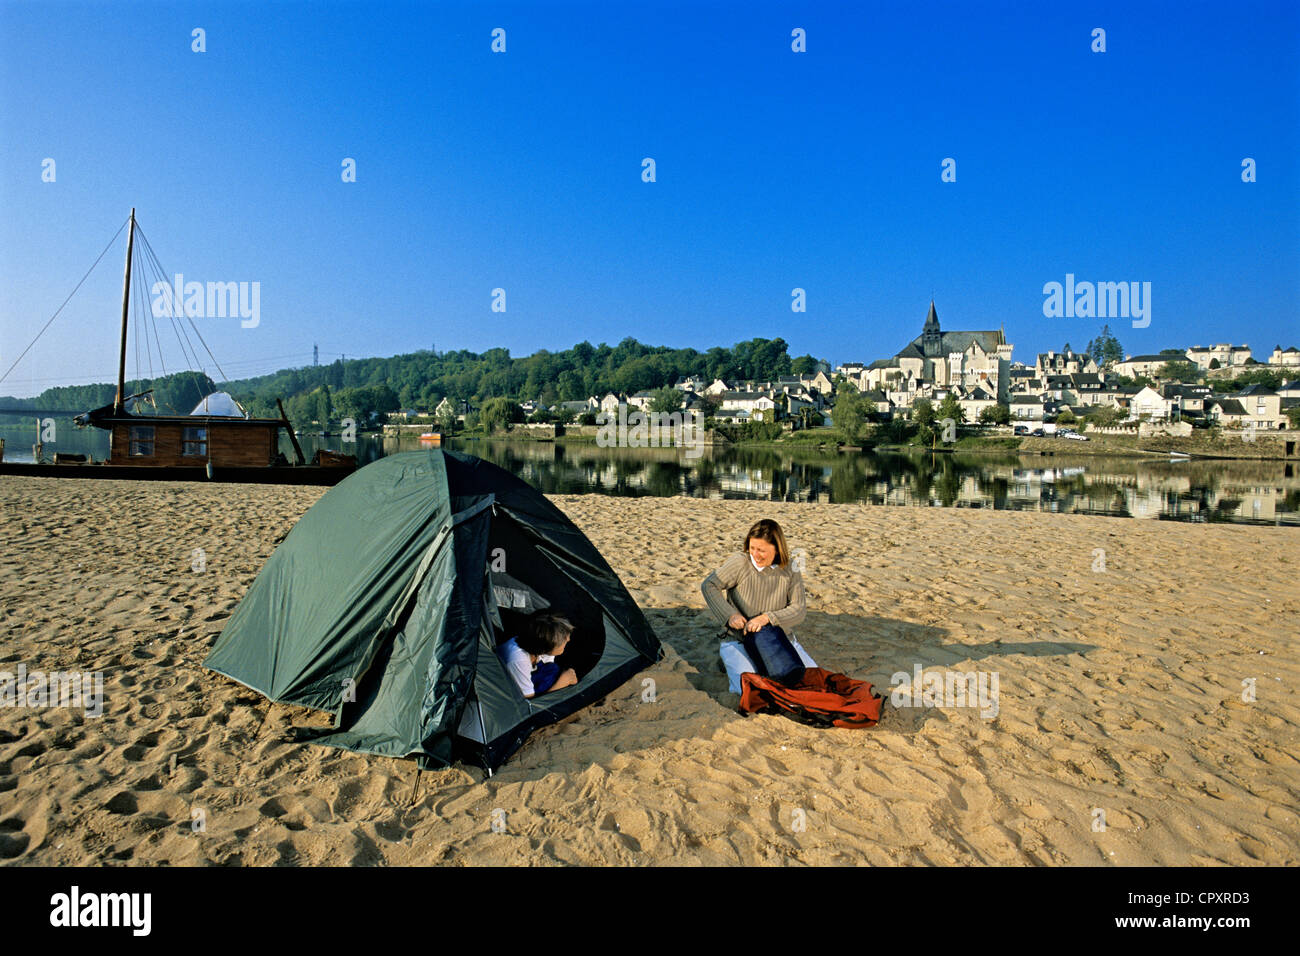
(1122, 734)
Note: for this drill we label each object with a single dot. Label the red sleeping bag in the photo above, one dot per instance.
(822, 698)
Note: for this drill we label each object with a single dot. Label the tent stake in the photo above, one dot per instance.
(415, 791)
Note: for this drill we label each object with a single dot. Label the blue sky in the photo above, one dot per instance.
(522, 170)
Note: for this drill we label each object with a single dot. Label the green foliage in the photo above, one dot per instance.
(175, 394)
(1066, 417)
(1268, 377)
(498, 413)
(324, 405)
(360, 404)
(1105, 348)
(749, 431)
(925, 418)
(923, 412)
(424, 378)
(951, 408)
(896, 432)
(1105, 417)
(996, 415)
(803, 365)
(447, 419)
(1293, 416)
(666, 399)
(848, 412)
(1178, 371)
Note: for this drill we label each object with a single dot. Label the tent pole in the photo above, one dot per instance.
(483, 726)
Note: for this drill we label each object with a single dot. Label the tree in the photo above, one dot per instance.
(847, 412)
(1214, 363)
(1178, 372)
(1293, 416)
(1104, 417)
(499, 412)
(996, 415)
(923, 412)
(951, 408)
(924, 417)
(324, 407)
(1105, 348)
(666, 400)
(447, 419)
(804, 365)
(1066, 417)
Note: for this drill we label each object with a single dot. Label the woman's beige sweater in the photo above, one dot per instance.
(737, 588)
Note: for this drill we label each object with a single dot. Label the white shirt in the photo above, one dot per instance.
(518, 664)
(756, 567)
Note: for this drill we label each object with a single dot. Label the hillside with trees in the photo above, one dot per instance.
(358, 387)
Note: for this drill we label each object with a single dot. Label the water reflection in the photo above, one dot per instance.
(1255, 492)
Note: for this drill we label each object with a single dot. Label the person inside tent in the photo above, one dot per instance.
(530, 657)
(758, 596)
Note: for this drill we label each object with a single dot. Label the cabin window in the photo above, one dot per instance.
(141, 441)
(194, 443)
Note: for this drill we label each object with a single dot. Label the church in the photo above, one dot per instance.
(964, 361)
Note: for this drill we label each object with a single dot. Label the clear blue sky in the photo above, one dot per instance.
(522, 170)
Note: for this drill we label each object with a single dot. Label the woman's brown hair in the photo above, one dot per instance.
(769, 531)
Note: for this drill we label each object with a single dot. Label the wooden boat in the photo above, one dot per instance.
(195, 447)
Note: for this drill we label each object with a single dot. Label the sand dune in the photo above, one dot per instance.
(1120, 691)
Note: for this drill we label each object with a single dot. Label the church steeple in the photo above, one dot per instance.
(931, 337)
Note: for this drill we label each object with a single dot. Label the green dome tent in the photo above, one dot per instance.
(385, 604)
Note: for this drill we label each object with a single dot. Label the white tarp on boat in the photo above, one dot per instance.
(219, 403)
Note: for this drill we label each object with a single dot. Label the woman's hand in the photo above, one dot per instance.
(736, 622)
(756, 623)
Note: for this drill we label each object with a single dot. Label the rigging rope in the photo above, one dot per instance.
(67, 300)
(197, 333)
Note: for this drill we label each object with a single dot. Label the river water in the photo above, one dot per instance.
(1249, 492)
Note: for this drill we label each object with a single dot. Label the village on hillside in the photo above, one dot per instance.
(973, 371)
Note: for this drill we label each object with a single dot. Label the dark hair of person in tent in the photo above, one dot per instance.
(769, 531)
(546, 632)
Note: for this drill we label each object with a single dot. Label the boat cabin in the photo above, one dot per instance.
(156, 440)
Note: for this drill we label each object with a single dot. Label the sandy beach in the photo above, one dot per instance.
(1121, 735)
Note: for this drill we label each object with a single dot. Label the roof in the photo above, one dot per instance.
(1256, 389)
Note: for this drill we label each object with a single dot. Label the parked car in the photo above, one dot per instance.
(1021, 430)
(1037, 433)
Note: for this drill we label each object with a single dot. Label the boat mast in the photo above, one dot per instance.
(119, 403)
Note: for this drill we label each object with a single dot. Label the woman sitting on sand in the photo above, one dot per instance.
(754, 588)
